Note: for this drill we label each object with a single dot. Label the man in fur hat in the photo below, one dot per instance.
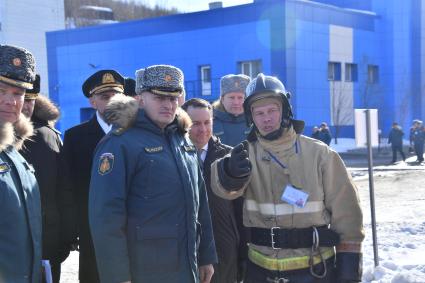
(229, 119)
(42, 151)
(148, 207)
(20, 221)
(230, 127)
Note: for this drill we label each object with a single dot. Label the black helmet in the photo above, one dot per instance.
(267, 86)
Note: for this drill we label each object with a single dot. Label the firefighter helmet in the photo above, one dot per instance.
(267, 87)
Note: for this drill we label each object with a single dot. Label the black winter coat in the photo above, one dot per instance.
(78, 149)
(223, 218)
(395, 137)
(325, 136)
(42, 152)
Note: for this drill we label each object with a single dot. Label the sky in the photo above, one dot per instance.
(191, 5)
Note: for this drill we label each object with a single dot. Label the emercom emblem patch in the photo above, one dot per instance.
(106, 163)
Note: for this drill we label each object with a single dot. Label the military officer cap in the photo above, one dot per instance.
(161, 80)
(31, 94)
(130, 87)
(233, 83)
(17, 66)
(104, 80)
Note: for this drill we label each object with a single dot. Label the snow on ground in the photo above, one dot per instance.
(343, 145)
(400, 217)
(346, 144)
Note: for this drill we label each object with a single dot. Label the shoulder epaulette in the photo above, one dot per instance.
(118, 131)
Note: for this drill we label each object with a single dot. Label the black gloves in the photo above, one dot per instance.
(349, 267)
(234, 171)
(238, 165)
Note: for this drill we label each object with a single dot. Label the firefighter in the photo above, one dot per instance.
(301, 204)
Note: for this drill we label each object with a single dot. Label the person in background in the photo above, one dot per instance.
(231, 128)
(395, 138)
(229, 119)
(77, 155)
(417, 139)
(148, 208)
(223, 217)
(300, 202)
(20, 207)
(130, 87)
(42, 152)
(316, 133)
(325, 134)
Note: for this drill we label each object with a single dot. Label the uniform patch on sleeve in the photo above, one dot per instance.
(106, 163)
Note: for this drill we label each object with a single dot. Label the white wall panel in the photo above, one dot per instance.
(341, 92)
(25, 23)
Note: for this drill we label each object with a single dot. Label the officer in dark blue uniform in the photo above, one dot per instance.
(20, 221)
(417, 137)
(231, 128)
(148, 208)
(77, 154)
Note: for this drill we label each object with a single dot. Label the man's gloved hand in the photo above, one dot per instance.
(238, 165)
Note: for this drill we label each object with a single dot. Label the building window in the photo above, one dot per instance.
(334, 71)
(205, 72)
(350, 72)
(250, 68)
(372, 74)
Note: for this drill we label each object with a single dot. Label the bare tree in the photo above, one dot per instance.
(403, 107)
(340, 107)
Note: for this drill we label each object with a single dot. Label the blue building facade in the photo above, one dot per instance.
(333, 56)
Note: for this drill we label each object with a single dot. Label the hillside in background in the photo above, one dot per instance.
(122, 10)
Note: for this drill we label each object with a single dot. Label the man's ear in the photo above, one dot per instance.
(92, 102)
